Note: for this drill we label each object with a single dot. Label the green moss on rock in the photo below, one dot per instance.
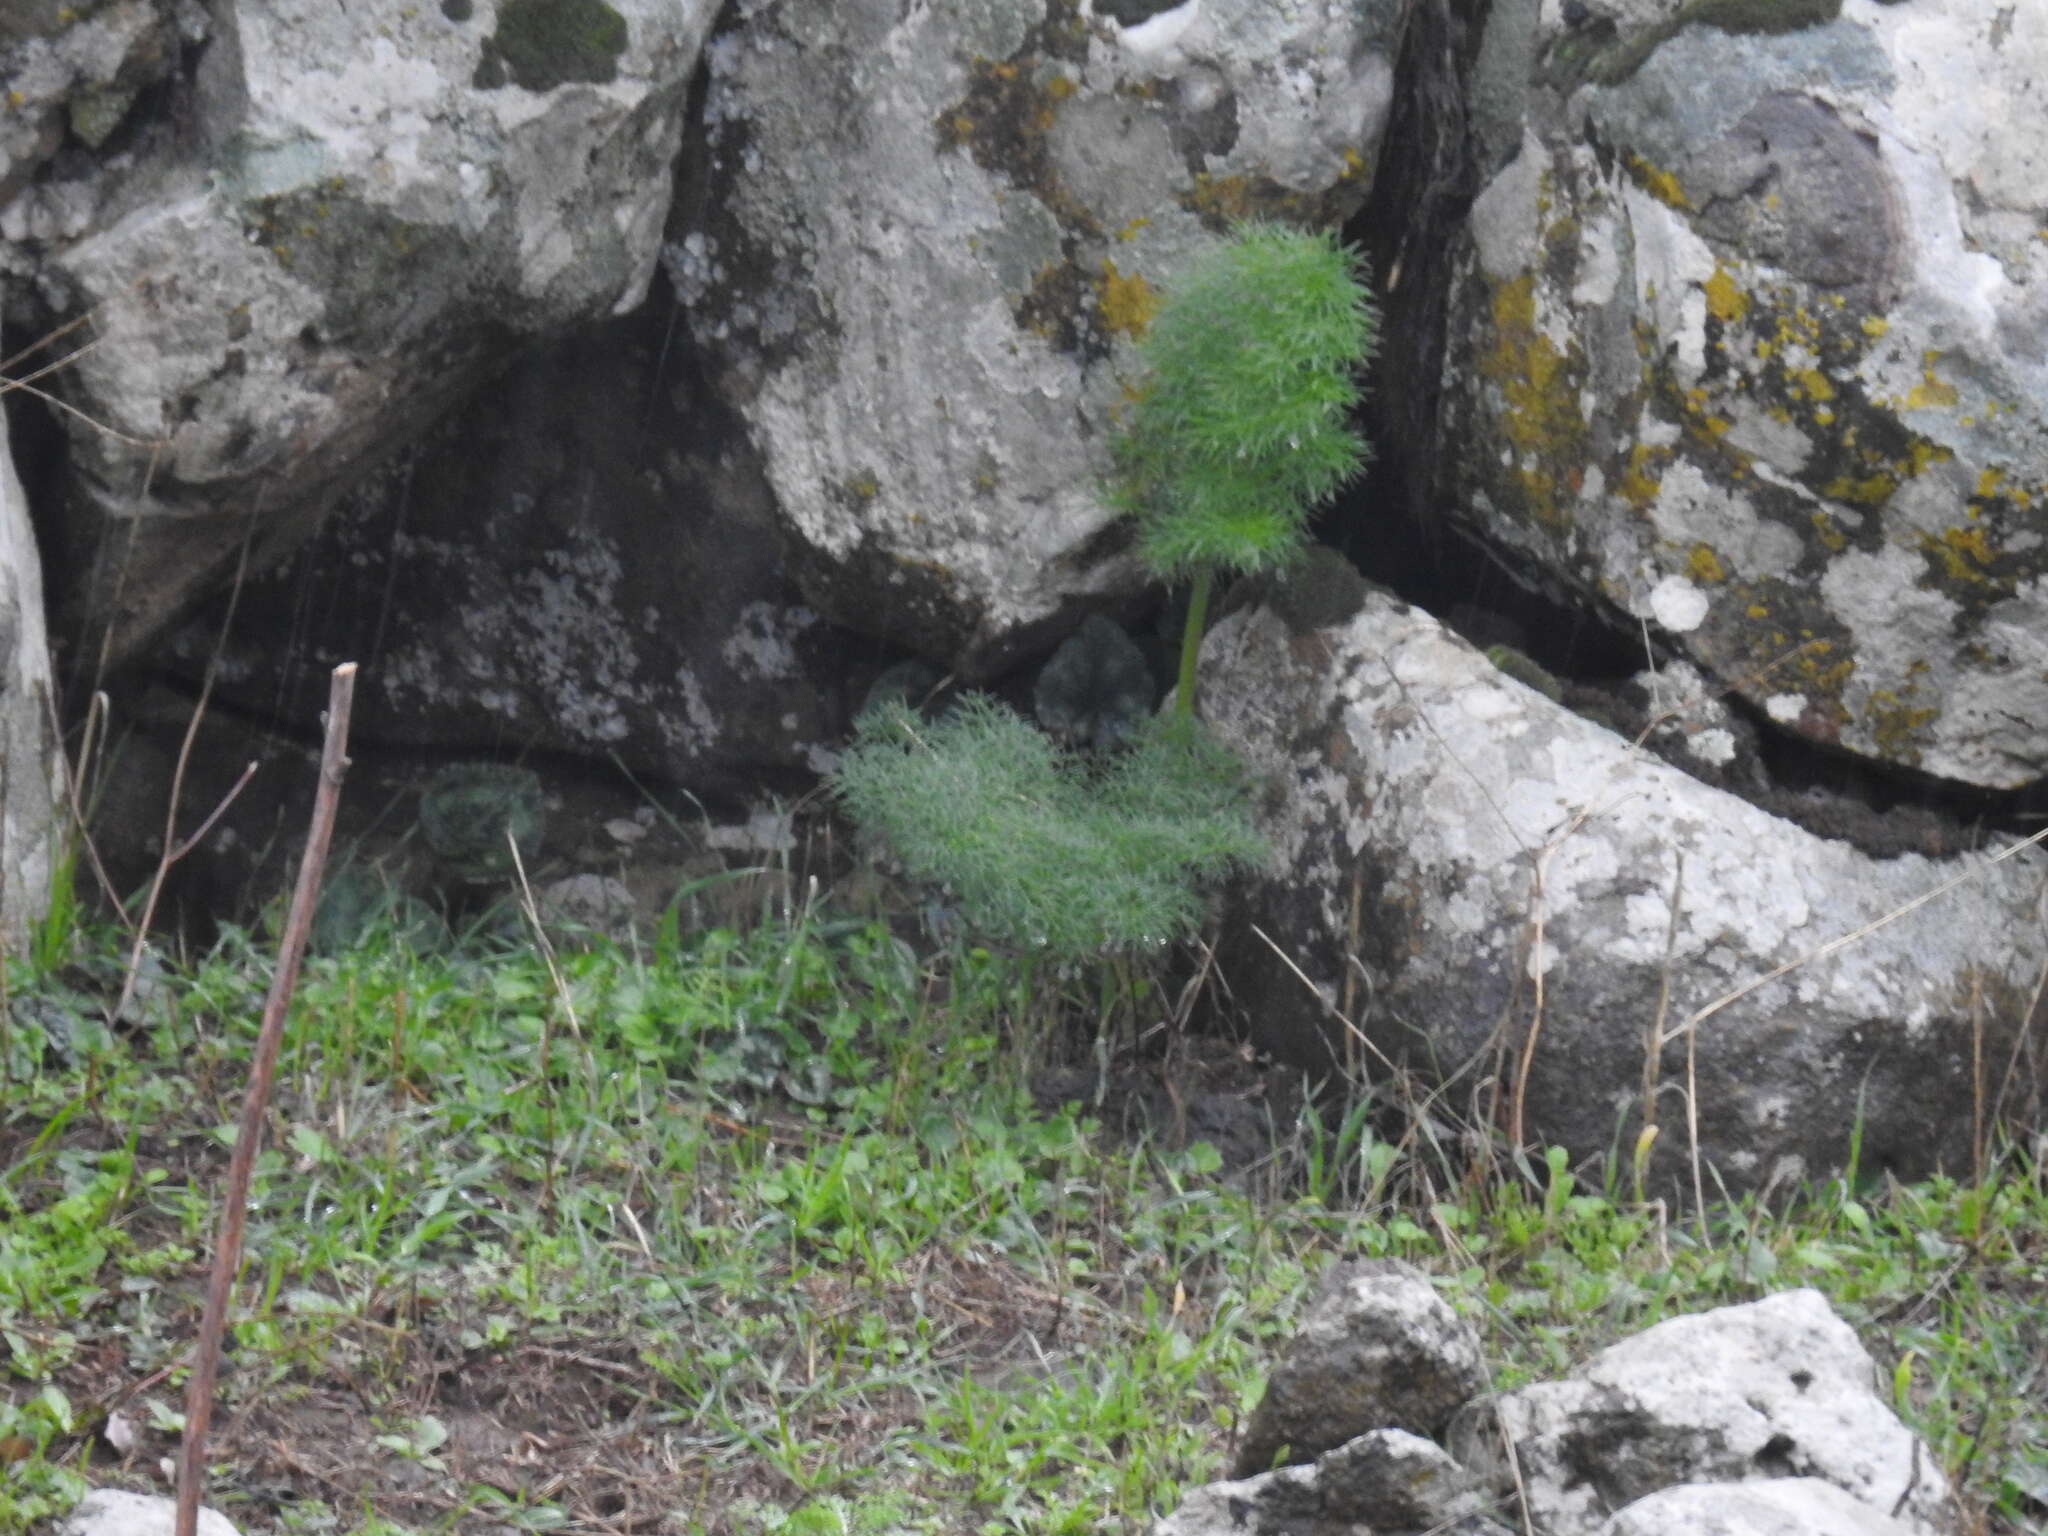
(1524, 670)
(540, 44)
(1319, 591)
(1764, 16)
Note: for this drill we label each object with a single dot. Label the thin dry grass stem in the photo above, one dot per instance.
(1352, 1031)
(1514, 1461)
(172, 853)
(1653, 1054)
(1692, 1130)
(173, 850)
(1348, 992)
(263, 1063)
(78, 796)
(2023, 1035)
(1736, 994)
(47, 339)
(530, 910)
(1977, 1106)
(56, 403)
(1537, 964)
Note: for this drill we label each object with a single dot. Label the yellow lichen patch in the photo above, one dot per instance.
(1130, 231)
(1863, 491)
(1816, 673)
(1228, 197)
(1923, 454)
(1875, 326)
(1757, 611)
(1726, 301)
(1895, 725)
(1127, 302)
(1660, 184)
(1637, 485)
(1813, 383)
(1060, 87)
(1931, 392)
(1541, 419)
(1705, 566)
(1830, 534)
(1965, 553)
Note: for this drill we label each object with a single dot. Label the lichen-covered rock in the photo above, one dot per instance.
(73, 70)
(31, 761)
(1377, 1349)
(919, 239)
(582, 560)
(580, 908)
(366, 210)
(1444, 836)
(1779, 1506)
(1751, 341)
(1778, 1388)
(1384, 1483)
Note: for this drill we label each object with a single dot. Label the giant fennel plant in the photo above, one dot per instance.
(1240, 429)
(1243, 426)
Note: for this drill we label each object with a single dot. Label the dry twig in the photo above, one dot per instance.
(235, 1201)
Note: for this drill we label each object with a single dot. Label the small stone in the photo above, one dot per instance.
(1378, 1349)
(115, 1512)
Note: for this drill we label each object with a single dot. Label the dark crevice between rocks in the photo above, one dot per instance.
(1390, 524)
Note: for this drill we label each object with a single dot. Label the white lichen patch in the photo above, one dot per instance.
(1691, 511)
(762, 645)
(1678, 605)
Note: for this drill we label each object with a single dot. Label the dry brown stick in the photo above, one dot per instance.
(173, 850)
(235, 1201)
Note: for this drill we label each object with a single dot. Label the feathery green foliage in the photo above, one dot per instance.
(1042, 847)
(1243, 427)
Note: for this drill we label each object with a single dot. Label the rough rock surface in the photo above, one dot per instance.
(1385, 1483)
(75, 71)
(1446, 836)
(31, 762)
(1751, 341)
(113, 1512)
(581, 561)
(919, 239)
(1377, 1349)
(1784, 1506)
(347, 212)
(1779, 1388)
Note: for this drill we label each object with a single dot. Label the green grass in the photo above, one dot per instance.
(766, 1232)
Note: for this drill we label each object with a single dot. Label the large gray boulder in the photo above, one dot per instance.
(582, 561)
(919, 240)
(1779, 1506)
(1778, 1389)
(1750, 341)
(1447, 839)
(31, 761)
(356, 212)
